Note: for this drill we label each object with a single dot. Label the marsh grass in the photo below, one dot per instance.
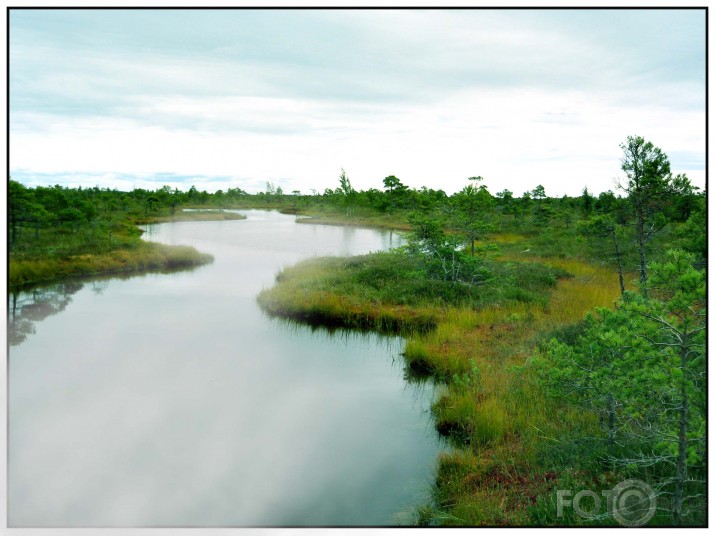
(510, 424)
(358, 217)
(389, 291)
(510, 442)
(112, 247)
(190, 215)
(143, 257)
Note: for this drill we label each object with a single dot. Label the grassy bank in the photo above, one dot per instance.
(514, 450)
(190, 215)
(510, 453)
(359, 217)
(116, 247)
(141, 257)
(387, 291)
(112, 244)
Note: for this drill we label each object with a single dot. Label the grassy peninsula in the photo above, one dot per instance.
(513, 443)
(568, 342)
(474, 339)
(56, 232)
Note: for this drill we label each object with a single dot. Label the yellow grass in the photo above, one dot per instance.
(146, 256)
(490, 405)
(503, 411)
(199, 215)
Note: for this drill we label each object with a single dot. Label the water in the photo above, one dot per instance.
(172, 400)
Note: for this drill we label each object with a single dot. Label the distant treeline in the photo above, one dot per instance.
(103, 218)
(52, 205)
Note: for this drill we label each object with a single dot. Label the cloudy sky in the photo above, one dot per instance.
(235, 98)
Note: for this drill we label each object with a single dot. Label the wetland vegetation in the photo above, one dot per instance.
(56, 232)
(567, 333)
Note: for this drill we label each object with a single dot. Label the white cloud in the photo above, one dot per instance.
(515, 139)
(433, 97)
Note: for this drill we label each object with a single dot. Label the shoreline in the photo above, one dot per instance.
(24, 273)
(142, 256)
(145, 257)
(491, 413)
(372, 221)
(366, 224)
(445, 343)
(198, 215)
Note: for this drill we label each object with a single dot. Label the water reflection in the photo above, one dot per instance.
(393, 344)
(26, 309)
(172, 400)
(29, 305)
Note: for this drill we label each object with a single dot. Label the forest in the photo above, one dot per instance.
(568, 333)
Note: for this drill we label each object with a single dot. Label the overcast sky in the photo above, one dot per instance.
(235, 98)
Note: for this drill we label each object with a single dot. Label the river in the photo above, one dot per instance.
(172, 400)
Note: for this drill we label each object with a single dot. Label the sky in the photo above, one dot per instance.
(224, 99)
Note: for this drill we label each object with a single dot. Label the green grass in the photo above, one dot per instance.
(509, 442)
(358, 218)
(112, 247)
(388, 291)
(191, 215)
(142, 257)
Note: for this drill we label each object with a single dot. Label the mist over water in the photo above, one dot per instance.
(172, 400)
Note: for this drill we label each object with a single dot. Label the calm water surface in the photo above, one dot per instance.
(172, 400)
